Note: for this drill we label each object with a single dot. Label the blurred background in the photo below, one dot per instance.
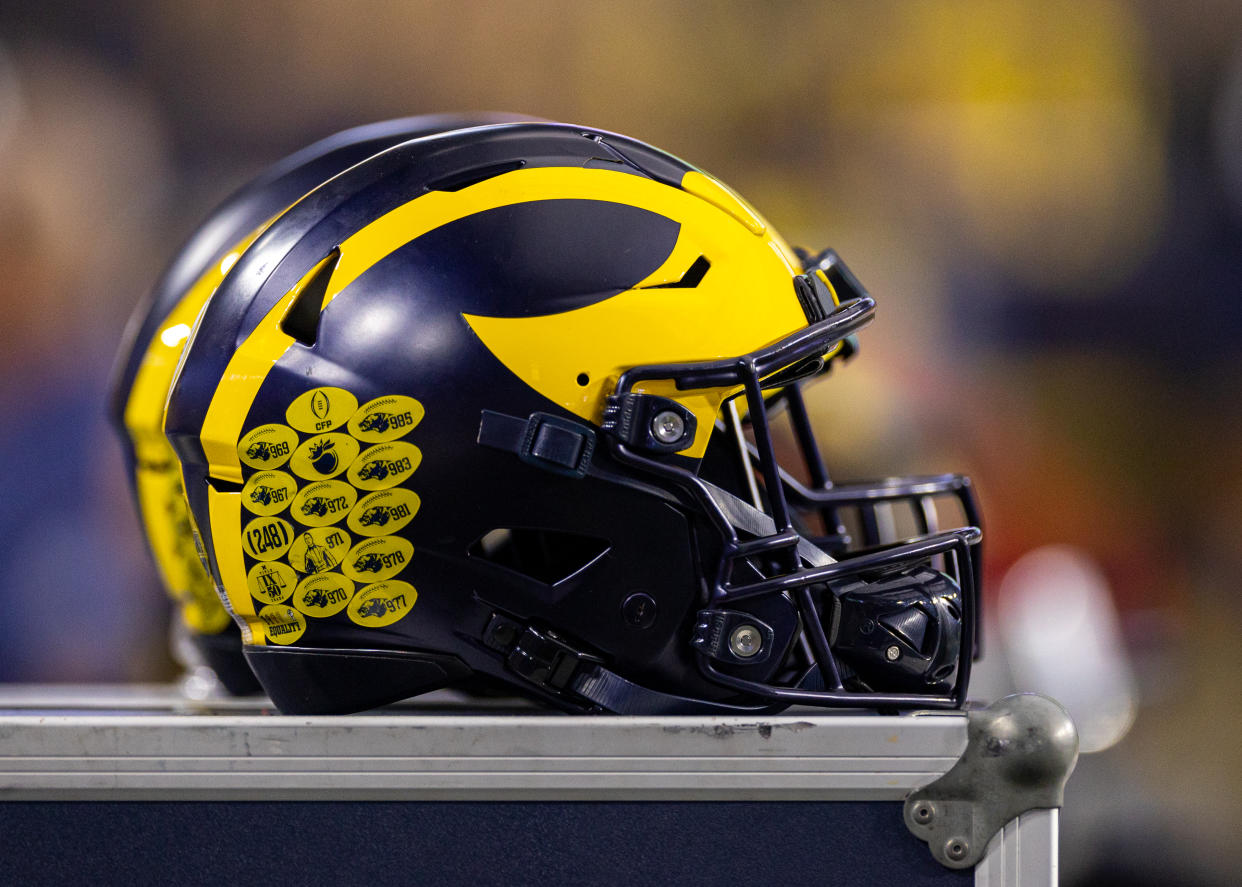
(1045, 198)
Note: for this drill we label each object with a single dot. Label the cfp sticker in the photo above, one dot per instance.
(386, 418)
(324, 503)
(271, 583)
(323, 595)
(324, 456)
(321, 409)
(373, 560)
(268, 446)
(384, 465)
(282, 624)
(382, 513)
(267, 538)
(268, 492)
(382, 603)
(319, 550)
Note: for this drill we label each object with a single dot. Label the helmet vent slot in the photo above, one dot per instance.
(693, 277)
(465, 178)
(547, 556)
(301, 320)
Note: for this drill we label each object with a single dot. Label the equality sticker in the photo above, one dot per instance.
(319, 550)
(373, 560)
(282, 624)
(386, 418)
(268, 446)
(268, 492)
(382, 603)
(384, 512)
(324, 594)
(324, 456)
(321, 409)
(324, 503)
(384, 465)
(271, 582)
(267, 538)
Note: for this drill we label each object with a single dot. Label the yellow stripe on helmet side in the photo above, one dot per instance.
(224, 510)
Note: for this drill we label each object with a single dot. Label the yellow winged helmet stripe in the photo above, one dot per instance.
(745, 301)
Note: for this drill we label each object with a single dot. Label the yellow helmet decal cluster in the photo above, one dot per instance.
(317, 516)
(161, 496)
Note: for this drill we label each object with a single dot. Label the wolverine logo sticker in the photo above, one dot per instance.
(384, 465)
(321, 409)
(323, 595)
(282, 624)
(319, 550)
(324, 456)
(324, 503)
(386, 418)
(373, 560)
(268, 446)
(268, 492)
(383, 513)
(382, 603)
(267, 538)
(271, 583)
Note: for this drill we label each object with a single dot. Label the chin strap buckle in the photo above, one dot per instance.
(552, 443)
(538, 655)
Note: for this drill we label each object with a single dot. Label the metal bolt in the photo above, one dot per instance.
(745, 641)
(668, 427)
(924, 813)
(893, 653)
(956, 849)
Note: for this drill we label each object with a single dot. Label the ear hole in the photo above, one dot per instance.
(547, 556)
(584, 380)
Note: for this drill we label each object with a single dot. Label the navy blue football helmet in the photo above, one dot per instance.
(500, 402)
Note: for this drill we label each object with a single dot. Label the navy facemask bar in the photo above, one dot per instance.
(781, 543)
(827, 499)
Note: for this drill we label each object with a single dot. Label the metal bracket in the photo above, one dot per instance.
(1019, 753)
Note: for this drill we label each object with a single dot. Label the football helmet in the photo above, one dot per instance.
(155, 338)
(500, 402)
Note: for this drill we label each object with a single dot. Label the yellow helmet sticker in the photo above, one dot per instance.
(268, 446)
(323, 595)
(383, 512)
(268, 492)
(271, 582)
(386, 418)
(267, 538)
(282, 624)
(323, 503)
(376, 559)
(384, 465)
(321, 409)
(319, 550)
(324, 456)
(382, 603)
